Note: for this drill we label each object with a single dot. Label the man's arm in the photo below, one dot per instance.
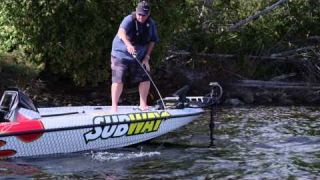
(149, 50)
(146, 58)
(123, 36)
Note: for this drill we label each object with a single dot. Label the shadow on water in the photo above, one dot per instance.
(250, 143)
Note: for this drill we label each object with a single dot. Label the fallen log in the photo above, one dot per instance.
(294, 51)
(291, 59)
(274, 84)
(314, 39)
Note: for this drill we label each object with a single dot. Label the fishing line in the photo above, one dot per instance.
(141, 65)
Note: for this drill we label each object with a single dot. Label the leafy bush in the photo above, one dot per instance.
(73, 38)
(69, 37)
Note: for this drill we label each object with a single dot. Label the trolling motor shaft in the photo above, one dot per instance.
(215, 94)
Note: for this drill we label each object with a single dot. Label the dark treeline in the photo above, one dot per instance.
(73, 38)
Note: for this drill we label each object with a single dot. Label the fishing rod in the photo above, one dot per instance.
(154, 85)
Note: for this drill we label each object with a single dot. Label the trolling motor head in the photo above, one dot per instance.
(208, 100)
(182, 93)
(181, 100)
(182, 96)
(215, 94)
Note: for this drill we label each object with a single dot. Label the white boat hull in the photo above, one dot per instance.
(74, 129)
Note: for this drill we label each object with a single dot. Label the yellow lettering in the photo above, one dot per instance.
(135, 128)
(156, 115)
(131, 117)
(132, 127)
(156, 126)
(164, 114)
(138, 128)
(152, 124)
(148, 127)
(138, 116)
(151, 116)
(144, 116)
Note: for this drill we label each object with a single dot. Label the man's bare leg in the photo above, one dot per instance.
(116, 90)
(143, 92)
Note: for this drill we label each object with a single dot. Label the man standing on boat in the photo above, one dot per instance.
(134, 42)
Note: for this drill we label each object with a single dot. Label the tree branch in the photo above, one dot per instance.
(255, 16)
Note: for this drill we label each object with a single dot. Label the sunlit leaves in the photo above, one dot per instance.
(73, 37)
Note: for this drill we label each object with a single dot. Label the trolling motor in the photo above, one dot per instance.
(210, 101)
(182, 97)
(180, 100)
(214, 98)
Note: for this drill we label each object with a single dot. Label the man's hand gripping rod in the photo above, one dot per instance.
(141, 65)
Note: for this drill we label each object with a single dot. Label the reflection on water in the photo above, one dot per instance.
(250, 143)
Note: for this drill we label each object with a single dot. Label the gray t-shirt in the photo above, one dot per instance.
(131, 26)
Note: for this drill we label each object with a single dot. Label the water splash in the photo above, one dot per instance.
(109, 156)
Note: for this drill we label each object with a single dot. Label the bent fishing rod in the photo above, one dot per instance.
(154, 85)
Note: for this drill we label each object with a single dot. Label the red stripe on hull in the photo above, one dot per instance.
(7, 153)
(2, 143)
(23, 126)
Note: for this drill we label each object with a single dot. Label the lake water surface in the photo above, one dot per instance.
(250, 143)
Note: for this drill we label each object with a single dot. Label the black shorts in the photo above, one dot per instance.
(127, 68)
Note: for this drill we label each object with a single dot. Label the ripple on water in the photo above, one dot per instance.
(250, 143)
(266, 139)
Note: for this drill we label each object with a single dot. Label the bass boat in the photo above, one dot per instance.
(28, 131)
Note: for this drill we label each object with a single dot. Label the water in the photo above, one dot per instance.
(251, 143)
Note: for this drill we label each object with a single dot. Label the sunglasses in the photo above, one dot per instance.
(141, 15)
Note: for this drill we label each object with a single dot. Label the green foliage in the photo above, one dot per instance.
(69, 37)
(73, 38)
(286, 27)
(170, 22)
(8, 33)
(15, 72)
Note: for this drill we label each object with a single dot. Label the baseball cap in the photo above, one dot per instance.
(143, 8)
